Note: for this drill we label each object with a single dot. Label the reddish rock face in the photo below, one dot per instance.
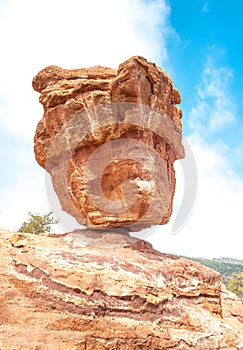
(108, 291)
(109, 140)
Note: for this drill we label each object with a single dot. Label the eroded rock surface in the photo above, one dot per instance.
(95, 291)
(87, 108)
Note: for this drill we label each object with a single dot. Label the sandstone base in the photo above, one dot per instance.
(98, 291)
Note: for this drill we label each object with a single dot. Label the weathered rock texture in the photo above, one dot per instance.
(89, 107)
(96, 291)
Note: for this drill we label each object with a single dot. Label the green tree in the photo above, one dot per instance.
(38, 223)
(235, 284)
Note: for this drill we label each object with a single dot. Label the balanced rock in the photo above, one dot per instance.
(109, 139)
(108, 291)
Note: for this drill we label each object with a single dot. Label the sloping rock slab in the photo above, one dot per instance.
(101, 290)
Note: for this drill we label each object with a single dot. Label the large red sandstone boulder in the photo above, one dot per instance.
(108, 291)
(109, 140)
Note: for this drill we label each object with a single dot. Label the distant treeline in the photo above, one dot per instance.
(225, 266)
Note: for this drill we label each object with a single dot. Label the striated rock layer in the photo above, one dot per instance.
(95, 291)
(125, 183)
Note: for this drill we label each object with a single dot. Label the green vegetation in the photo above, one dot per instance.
(225, 266)
(38, 223)
(235, 284)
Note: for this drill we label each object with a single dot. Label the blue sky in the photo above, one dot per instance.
(209, 30)
(197, 42)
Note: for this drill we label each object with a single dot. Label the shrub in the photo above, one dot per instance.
(38, 223)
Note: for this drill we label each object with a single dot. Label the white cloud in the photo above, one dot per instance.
(214, 228)
(71, 34)
(214, 105)
(16, 201)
